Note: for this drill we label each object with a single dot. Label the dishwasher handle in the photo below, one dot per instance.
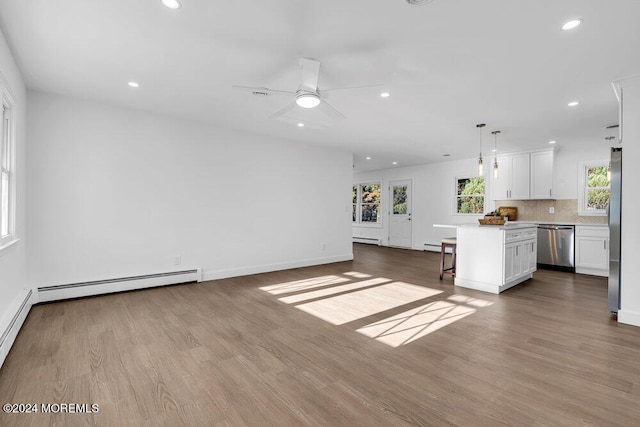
(556, 227)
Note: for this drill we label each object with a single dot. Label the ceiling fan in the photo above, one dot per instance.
(307, 95)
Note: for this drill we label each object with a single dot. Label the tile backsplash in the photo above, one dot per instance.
(538, 210)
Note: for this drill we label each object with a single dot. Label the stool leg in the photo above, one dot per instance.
(453, 261)
(442, 260)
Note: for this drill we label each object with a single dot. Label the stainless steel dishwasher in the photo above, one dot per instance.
(556, 247)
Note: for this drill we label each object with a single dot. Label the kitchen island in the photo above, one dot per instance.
(493, 258)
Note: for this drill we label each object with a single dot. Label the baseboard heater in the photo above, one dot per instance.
(11, 331)
(97, 287)
(368, 240)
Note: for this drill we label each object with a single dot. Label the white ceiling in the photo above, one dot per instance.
(448, 65)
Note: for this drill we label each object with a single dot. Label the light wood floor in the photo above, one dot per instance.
(400, 348)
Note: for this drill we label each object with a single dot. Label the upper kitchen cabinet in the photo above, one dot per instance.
(513, 177)
(524, 176)
(541, 175)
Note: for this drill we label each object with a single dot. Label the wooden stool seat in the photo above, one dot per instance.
(448, 242)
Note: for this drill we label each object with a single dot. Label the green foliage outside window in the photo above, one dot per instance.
(597, 188)
(470, 195)
(400, 200)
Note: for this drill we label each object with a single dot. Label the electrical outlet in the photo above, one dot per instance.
(177, 260)
(552, 210)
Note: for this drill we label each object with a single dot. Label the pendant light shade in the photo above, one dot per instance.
(495, 150)
(480, 126)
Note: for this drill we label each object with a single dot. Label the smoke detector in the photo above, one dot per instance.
(418, 2)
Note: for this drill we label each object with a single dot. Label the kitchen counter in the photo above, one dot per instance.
(586, 224)
(511, 225)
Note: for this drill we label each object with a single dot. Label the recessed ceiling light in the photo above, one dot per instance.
(368, 157)
(300, 125)
(572, 24)
(493, 150)
(395, 163)
(385, 94)
(573, 103)
(552, 142)
(172, 4)
(133, 84)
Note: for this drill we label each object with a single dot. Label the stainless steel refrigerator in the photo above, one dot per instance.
(615, 217)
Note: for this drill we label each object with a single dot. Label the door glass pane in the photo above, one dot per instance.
(400, 200)
(4, 205)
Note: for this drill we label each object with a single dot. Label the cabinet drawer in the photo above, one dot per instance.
(586, 231)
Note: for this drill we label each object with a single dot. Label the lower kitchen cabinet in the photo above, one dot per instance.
(493, 259)
(592, 250)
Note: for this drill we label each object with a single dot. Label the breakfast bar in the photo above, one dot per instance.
(493, 258)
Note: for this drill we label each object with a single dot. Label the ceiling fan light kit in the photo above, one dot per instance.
(307, 100)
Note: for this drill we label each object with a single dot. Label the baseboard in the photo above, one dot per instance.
(629, 317)
(106, 286)
(592, 271)
(266, 268)
(13, 321)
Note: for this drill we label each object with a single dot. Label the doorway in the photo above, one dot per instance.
(400, 228)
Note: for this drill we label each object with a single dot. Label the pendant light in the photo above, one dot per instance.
(480, 126)
(495, 150)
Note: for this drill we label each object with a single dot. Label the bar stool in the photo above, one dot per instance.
(448, 242)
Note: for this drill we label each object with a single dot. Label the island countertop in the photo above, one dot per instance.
(507, 226)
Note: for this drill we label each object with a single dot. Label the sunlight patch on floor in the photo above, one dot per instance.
(413, 324)
(475, 302)
(357, 275)
(299, 285)
(333, 290)
(346, 308)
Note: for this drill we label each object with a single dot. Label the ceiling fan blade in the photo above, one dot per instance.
(310, 73)
(264, 91)
(330, 111)
(352, 87)
(282, 111)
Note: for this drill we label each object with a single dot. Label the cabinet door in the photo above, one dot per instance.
(541, 175)
(502, 184)
(533, 256)
(509, 259)
(592, 252)
(520, 176)
(519, 260)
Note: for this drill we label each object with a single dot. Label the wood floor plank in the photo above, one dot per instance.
(242, 351)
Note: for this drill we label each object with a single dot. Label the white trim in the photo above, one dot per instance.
(490, 287)
(8, 100)
(266, 268)
(629, 317)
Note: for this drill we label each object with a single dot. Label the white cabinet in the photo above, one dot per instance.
(513, 177)
(541, 175)
(592, 250)
(524, 176)
(493, 259)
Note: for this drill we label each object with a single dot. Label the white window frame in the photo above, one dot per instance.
(7, 168)
(455, 194)
(358, 221)
(582, 188)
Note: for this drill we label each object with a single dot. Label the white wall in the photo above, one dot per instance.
(13, 281)
(630, 254)
(116, 192)
(433, 202)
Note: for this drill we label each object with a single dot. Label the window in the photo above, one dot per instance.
(7, 174)
(470, 195)
(594, 188)
(366, 203)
